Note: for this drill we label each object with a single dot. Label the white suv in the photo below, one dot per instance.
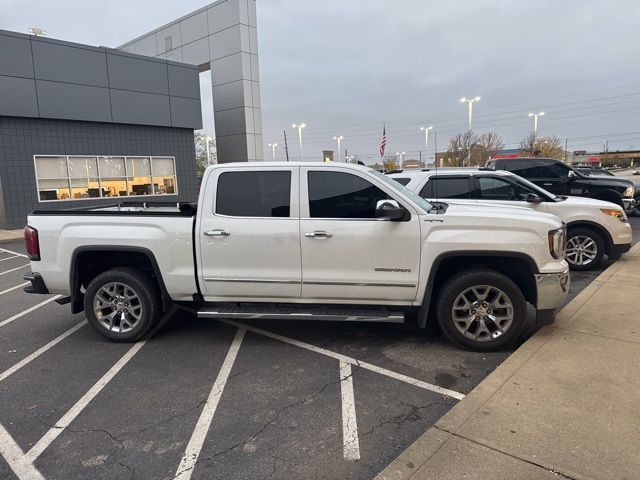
(595, 228)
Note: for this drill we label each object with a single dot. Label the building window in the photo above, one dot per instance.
(76, 177)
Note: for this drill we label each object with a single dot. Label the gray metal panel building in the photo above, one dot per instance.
(60, 98)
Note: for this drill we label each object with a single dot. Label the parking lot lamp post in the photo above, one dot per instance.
(535, 120)
(470, 102)
(426, 136)
(299, 126)
(273, 150)
(338, 139)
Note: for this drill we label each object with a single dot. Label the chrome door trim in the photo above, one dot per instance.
(251, 280)
(363, 284)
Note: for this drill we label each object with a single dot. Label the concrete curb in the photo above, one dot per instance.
(10, 236)
(409, 462)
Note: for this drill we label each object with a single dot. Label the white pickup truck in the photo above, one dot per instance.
(304, 241)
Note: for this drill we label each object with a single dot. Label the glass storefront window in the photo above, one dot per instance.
(76, 177)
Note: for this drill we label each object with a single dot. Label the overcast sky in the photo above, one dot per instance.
(345, 67)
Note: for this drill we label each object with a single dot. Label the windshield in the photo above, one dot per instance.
(414, 197)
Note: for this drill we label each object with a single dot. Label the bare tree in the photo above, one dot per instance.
(390, 163)
(459, 146)
(547, 147)
(491, 144)
(202, 162)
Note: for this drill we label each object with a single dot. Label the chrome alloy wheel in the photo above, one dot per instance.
(118, 307)
(482, 313)
(581, 250)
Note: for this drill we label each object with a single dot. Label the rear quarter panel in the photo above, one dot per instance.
(168, 238)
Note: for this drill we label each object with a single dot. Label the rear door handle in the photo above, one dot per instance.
(217, 233)
(547, 184)
(318, 234)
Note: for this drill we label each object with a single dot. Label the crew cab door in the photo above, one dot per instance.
(248, 234)
(348, 254)
(554, 177)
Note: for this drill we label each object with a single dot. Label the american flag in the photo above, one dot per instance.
(383, 143)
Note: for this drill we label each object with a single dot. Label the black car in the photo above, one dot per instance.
(560, 179)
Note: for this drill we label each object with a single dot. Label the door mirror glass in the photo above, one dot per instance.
(533, 198)
(389, 210)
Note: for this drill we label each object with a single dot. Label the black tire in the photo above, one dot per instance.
(146, 305)
(456, 286)
(584, 233)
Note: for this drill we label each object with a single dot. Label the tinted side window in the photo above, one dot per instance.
(402, 181)
(524, 168)
(492, 188)
(550, 169)
(450, 187)
(254, 194)
(342, 195)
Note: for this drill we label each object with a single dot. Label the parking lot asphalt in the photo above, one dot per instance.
(204, 399)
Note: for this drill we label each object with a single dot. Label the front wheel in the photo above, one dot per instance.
(122, 304)
(481, 310)
(585, 249)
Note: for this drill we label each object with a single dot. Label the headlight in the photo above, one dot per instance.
(614, 212)
(628, 192)
(557, 240)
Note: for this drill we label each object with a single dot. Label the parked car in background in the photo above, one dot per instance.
(304, 241)
(561, 179)
(594, 228)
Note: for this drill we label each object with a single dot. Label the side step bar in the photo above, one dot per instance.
(300, 313)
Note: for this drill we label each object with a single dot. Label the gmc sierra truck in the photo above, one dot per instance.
(304, 241)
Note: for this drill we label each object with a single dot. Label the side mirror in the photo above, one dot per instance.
(389, 210)
(533, 198)
(572, 174)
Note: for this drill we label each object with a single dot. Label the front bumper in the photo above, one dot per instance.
(629, 205)
(552, 289)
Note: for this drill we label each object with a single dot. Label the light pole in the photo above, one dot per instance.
(208, 140)
(470, 102)
(299, 126)
(273, 150)
(338, 139)
(535, 120)
(400, 159)
(426, 136)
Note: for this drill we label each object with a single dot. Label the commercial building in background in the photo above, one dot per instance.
(221, 38)
(87, 126)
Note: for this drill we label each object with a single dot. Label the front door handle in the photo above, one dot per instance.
(547, 184)
(217, 233)
(318, 234)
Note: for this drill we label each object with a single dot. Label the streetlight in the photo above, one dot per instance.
(426, 136)
(400, 159)
(273, 150)
(208, 140)
(470, 102)
(535, 120)
(299, 126)
(338, 139)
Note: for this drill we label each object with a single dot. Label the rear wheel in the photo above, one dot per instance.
(481, 310)
(585, 249)
(122, 304)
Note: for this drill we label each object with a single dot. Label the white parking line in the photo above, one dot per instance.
(40, 351)
(190, 457)
(13, 288)
(28, 310)
(351, 444)
(8, 258)
(74, 411)
(14, 253)
(382, 371)
(14, 269)
(14, 456)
